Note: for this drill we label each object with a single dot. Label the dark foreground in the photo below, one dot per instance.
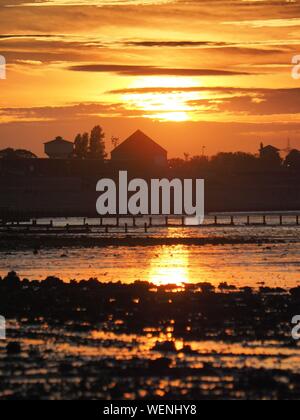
(90, 340)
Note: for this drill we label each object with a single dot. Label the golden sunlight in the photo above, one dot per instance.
(160, 104)
(171, 266)
(164, 82)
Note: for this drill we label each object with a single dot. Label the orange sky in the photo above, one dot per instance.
(190, 73)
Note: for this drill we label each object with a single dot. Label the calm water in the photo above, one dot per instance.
(274, 264)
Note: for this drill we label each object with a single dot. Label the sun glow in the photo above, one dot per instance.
(164, 82)
(163, 105)
(170, 267)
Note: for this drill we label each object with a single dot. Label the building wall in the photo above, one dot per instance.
(156, 158)
(59, 150)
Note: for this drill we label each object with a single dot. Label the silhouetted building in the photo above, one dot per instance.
(267, 151)
(140, 149)
(270, 156)
(59, 148)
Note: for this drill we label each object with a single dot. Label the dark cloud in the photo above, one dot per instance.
(171, 44)
(229, 48)
(81, 48)
(47, 48)
(176, 89)
(253, 101)
(74, 111)
(264, 102)
(29, 36)
(215, 89)
(127, 70)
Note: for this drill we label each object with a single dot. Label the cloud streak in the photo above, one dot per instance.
(131, 70)
(73, 111)
(96, 3)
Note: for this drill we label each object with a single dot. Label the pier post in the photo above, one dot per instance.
(126, 228)
(118, 222)
(133, 222)
(216, 220)
(167, 221)
(183, 221)
(150, 222)
(264, 220)
(280, 220)
(146, 227)
(297, 220)
(232, 220)
(106, 229)
(248, 220)
(101, 222)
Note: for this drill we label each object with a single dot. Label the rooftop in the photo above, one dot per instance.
(59, 140)
(139, 138)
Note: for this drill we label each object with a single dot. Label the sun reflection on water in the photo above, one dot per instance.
(171, 266)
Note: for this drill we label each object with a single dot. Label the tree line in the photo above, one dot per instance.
(92, 146)
(268, 159)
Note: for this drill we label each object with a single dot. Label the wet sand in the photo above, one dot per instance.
(92, 340)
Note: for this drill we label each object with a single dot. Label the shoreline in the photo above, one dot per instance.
(24, 296)
(15, 242)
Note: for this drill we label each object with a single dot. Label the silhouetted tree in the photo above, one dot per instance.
(234, 162)
(85, 142)
(198, 162)
(81, 144)
(186, 157)
(10, 153)
(176, 163)
(292, 161)
(97, 144)
(77, 146)
(115, 141)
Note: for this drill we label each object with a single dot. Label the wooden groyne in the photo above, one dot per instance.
(129, 224)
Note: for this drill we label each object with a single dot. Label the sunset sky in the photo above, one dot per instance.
(214, 73)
